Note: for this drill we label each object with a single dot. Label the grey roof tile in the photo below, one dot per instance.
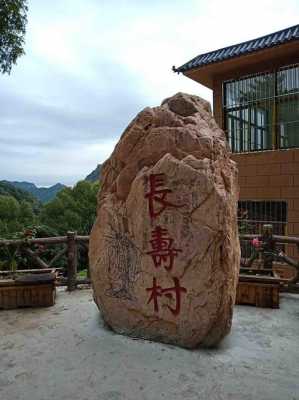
(272, 39)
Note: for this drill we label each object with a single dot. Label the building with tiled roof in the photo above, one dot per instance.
(256, 101)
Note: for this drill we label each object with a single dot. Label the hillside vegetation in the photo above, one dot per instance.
(43, 194)
(72, 209)
(95, 175)
(62, 209)
(7, 189)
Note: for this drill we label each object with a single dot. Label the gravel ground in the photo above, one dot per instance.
(65, 352)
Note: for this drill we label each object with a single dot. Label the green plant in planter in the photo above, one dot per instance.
(10, 263)
(13, 252)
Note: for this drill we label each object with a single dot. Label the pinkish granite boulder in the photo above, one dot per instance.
(164, 249)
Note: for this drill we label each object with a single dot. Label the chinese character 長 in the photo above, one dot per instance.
(157, 196)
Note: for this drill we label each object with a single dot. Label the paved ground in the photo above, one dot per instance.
(65, 352)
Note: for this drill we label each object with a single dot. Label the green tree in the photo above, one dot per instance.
(13, 20)
(73, 209)
(26, 215)
(9, 208)
(9, 213)
(15, 216)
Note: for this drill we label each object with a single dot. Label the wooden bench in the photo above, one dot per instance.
(37, 290)
(259, 291)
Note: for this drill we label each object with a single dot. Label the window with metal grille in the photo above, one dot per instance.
(252, 215)
(261, 111)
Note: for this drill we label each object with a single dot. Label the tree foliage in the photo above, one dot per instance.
(13, 20)
(7, 189)
(14, 216)
(73, 209)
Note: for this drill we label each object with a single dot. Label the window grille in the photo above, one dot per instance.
(252, 215)
(261, 111)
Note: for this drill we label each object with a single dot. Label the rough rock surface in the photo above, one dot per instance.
(164, 250)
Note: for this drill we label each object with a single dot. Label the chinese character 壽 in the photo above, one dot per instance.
(163, 252)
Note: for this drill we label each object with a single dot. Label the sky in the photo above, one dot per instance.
(92, 65)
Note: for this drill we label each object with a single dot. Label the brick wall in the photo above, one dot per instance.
(272, 175)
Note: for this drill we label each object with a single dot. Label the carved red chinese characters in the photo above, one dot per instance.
(171, 292)
(163, 253)
(157, 197)
(164, 250)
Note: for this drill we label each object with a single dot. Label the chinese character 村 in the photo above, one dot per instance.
(170, 293)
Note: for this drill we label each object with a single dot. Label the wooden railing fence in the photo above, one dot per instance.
(276, 238)
(287, 286)
(72, 243)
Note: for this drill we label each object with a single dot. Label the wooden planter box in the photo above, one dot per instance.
(28, 291)
(284, 271)
(258, 291)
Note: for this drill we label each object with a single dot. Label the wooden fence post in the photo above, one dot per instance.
(87, 267)
(72, 261)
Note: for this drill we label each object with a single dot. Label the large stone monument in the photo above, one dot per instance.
(164, 250)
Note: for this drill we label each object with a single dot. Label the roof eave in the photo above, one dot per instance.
(207, 73)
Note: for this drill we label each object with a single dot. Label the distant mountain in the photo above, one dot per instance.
(44, 194)
(7, 189)
(95, 174)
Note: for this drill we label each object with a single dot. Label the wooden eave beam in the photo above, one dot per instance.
(258, 61)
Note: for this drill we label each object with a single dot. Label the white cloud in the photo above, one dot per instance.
(92, 65)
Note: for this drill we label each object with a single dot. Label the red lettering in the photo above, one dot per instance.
(170, 293)
(158, 195)
(163, 252)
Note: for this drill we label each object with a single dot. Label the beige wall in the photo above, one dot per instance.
(266, 175)
(272, 175)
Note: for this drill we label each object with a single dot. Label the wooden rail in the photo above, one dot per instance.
(276, 238)
(286, 286)
(70, 251)
(72, 241)
(48, 240)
